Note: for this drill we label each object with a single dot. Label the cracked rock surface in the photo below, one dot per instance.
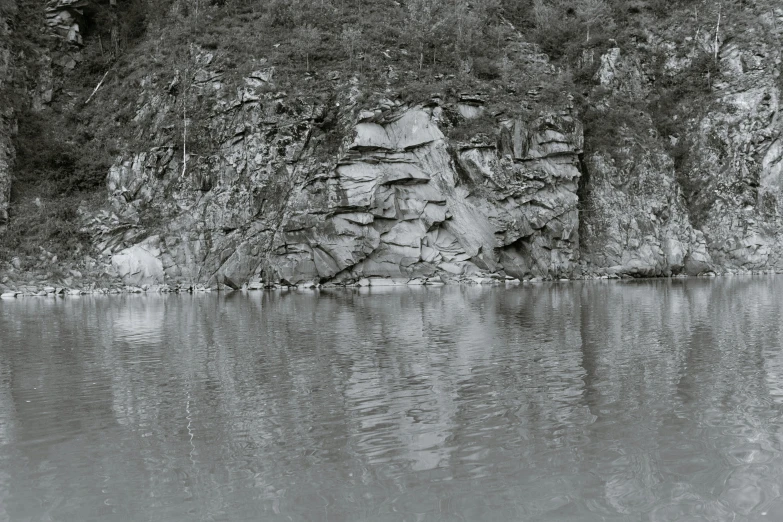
(401, 205)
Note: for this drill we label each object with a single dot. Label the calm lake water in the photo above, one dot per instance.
(648, 401)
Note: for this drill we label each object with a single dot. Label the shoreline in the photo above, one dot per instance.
(117, 288)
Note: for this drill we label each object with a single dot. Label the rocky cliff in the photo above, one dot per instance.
(396, 202)
(230, 173)
(720, 209)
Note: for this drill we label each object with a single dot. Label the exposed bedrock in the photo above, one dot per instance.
(401, 205)
(404, 206)
(635, 221)
(739, 170)
(272, 193)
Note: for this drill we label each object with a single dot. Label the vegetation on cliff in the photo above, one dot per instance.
(522, 55)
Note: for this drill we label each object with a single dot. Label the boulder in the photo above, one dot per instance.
(139, 265)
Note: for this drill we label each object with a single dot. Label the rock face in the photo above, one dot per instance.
(6, 162)
(738, 160)
(226, 201)
(140, 264)
(63, 18)
(398, 202)
(227, 179)
(723, 212)
(404, 205)
(635, 219)
(401, 203)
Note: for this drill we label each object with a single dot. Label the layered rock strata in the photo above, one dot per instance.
(738, 163)
(402, 204)
(64, 19)
(226, 179)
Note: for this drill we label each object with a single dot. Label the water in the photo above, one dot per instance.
(652, 401)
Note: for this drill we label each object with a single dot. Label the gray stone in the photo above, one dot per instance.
(139, 265)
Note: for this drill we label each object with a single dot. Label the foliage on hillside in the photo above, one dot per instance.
(410, 48)
(417, 47)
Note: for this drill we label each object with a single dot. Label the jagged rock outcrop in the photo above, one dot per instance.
(722, 211)
(737, 163)
(401, 203)
(64, 17)
(405, 205)
(6, 158)
(226, 178)
(224, 202)
(635, 220)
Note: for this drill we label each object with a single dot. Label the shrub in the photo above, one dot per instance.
(47, 153)
(614, 126)
(49, 223)
(679, 97)
(465, 130)
(486, 69)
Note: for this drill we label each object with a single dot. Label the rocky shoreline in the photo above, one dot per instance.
(87, 285)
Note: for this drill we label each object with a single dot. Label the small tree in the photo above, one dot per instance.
(351, 38)
(544, 14)
(464, 28)
(593, 13)
(306, 40)
(469, 26)
(424, 20)
(561, 24)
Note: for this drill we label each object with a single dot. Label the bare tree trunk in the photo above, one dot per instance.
(184, 133)
(115, 31)
(717, 29)
(97, 87)
(775, 27)
(115, 41)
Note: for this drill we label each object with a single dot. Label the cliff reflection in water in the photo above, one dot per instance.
(594, 401)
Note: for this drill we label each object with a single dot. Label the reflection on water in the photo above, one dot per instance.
(653, 401)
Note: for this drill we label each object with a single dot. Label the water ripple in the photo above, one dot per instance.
(654, 401)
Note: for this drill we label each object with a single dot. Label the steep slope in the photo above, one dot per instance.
(635, 218)
(396, 200)
(514, 140)
(737, 157)
(696, 184)
(7, 116)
